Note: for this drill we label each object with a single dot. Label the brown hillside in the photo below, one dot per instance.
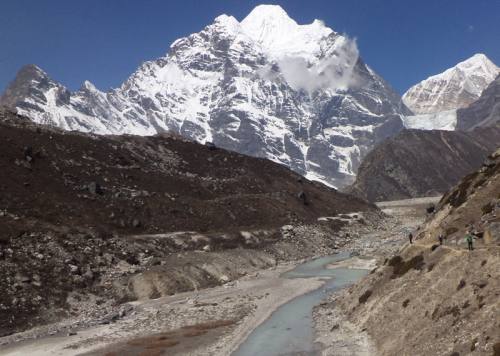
(89, 222)
(440, 300)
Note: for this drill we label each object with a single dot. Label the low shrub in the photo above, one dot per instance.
(496, 349)
(401, 267)
(364, 297)
(487, 208)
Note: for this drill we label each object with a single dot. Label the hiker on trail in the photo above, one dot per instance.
(469, 239)
(441, 239)
(410, 237)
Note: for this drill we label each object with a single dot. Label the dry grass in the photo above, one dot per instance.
(161, 340)
(151, 353)
(162, 344)
(209, 325)
(193, 333)
(155, 345)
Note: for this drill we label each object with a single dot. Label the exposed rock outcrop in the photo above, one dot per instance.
(418, 163)
(484, 112)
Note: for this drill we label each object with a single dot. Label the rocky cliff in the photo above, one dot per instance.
(483, 112)
(418, 163)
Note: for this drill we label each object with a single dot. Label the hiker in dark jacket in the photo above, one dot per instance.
(410, 237)
(441, 239)
(469, 239)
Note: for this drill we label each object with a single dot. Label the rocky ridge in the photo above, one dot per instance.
(484, 112)
(418, 163)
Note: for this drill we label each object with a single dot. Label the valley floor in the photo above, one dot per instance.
(215, 321)
(337, 335)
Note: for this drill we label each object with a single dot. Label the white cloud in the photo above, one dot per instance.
(334, 72)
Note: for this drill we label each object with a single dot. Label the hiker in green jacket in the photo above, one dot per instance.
(469, 239)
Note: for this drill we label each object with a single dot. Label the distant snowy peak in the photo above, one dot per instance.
(455, 88)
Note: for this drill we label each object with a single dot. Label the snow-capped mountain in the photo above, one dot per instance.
(265, 86)
(435, 100)
(455, 88)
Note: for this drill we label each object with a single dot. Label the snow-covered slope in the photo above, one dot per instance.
(455, 88)
(265, 86)
(444, 120)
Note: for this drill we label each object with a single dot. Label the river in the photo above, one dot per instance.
(290, 330)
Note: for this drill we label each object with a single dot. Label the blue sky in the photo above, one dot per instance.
(104, 41)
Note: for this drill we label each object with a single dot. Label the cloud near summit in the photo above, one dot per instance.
(334, 72)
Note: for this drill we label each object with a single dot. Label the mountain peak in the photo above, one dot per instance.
(27, 81)
(88, 86)
(31, 70)
(481, 56)
(455, 88)
(268, 14)
(227, 21)
(480, 62)
(278, 34)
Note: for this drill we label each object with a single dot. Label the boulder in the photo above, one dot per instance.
(95, 188)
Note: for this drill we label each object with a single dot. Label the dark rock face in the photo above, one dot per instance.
(95, 188)
(483, 112)
(421, 163)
